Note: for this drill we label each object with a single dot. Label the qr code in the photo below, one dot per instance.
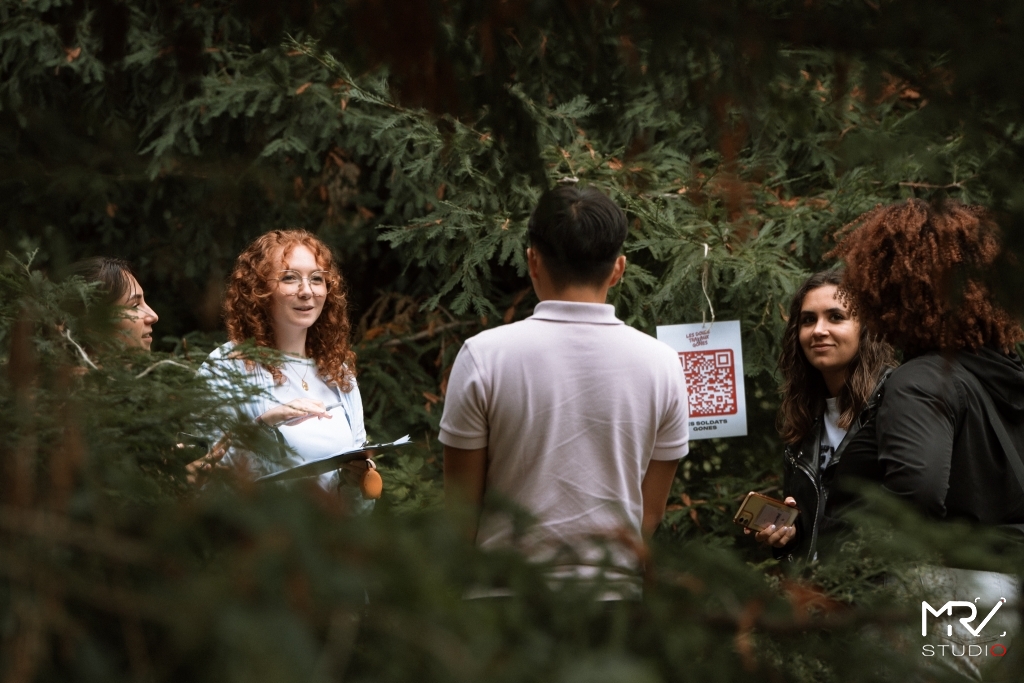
(710, 381)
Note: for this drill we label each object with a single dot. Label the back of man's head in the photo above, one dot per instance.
(579, 233)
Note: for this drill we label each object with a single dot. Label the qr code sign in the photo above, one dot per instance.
(711, 381)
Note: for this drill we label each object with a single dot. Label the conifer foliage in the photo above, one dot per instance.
(414, 138)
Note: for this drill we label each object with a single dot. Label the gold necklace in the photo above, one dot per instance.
(302, 380)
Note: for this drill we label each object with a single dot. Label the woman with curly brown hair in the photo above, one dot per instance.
(952, 415)
(287, 296)
(831, 370)
(949, 430)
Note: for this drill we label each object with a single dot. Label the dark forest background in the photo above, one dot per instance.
(414, 137)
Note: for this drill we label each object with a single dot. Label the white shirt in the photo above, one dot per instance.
(311, 440)
(834, 434)
(572, 406)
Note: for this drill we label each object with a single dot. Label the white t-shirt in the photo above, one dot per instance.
(572, 406)
(310, 440)
(834, 434)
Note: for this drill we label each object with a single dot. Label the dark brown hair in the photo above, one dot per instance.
(579, 233)
(916, 273)
(112, 274)
(247, 305)
(803, 386)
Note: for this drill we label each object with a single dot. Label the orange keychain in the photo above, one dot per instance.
(371, 485)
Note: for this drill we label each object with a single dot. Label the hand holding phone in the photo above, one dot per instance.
(763, 514)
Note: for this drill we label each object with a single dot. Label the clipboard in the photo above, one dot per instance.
(331, 462)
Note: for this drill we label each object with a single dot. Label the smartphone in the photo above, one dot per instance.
(760, 512)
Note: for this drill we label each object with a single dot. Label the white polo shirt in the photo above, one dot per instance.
(572, 406)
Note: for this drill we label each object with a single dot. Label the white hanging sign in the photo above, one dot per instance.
(712, 359)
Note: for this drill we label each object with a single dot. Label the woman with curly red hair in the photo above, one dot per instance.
(949, 431)
(287, 296)
(918, 275)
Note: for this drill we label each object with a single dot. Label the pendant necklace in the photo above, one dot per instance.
(302, 380)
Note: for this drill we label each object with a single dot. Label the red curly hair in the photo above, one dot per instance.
(917, 274)
(247, 305)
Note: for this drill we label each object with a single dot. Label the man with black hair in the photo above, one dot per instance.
(570, 414)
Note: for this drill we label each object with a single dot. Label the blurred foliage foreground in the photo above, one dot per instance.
(113, 568)
(414, 138)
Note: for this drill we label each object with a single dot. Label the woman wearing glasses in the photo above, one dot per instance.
(287, 295)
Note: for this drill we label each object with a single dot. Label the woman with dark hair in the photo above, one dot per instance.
(831, 368)
(287, 295)
(135, 323)
(122, 289)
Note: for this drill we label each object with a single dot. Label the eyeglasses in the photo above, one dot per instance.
(291, 281)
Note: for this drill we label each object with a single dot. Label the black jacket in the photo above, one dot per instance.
(803, 478)
(932, 442)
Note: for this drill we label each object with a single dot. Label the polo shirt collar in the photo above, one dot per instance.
(575, 312)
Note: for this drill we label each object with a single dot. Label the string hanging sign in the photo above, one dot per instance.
(712, 358)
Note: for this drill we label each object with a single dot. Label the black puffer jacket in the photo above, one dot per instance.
(803, 478)
(933, 444)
